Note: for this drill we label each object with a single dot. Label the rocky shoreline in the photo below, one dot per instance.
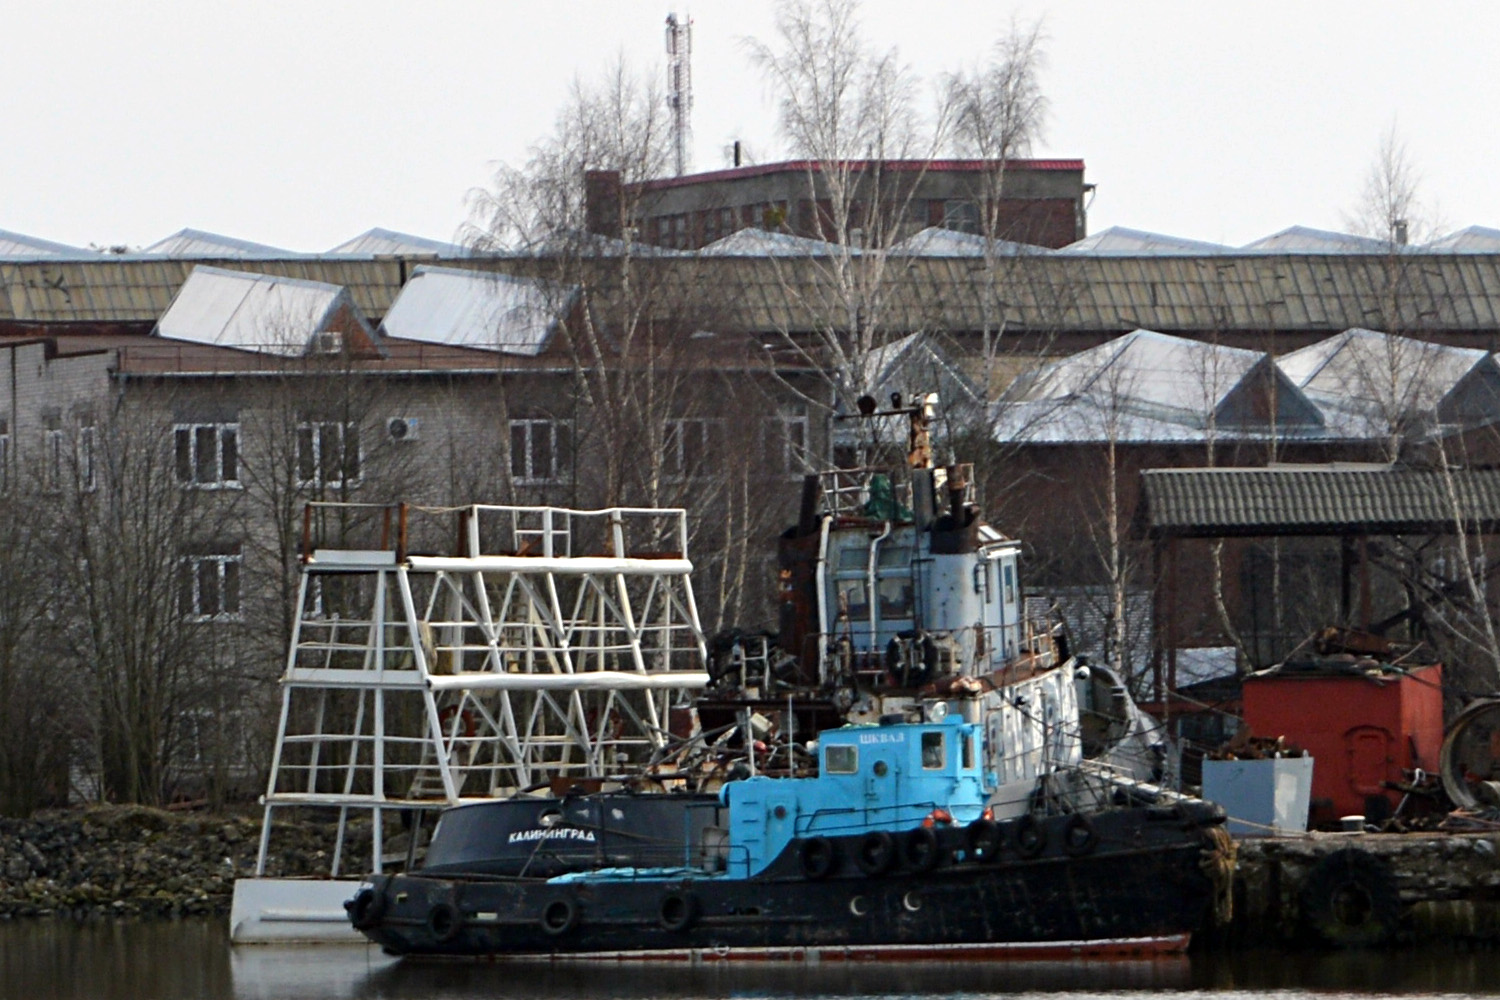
(117, 861)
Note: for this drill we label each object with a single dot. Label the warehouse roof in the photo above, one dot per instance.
(199, 244)
(21, 246)
(475, 309)
(387, 242)
(264, 313)
(1119, 240)
(1315, 500)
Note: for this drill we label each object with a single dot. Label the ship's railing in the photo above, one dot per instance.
(1034, 642)
(495, 530)
(846, 492)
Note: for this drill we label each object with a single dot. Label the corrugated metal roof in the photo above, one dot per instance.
(1388, 374)
(497, 312)
(752, 242)
(1147, 386)
(935, 241)
(1315, 500)
(386, 241)
(19, 246)
(1119, 240)
(199, 244)
(1474, 239)
(254, 312)
(1301, 239)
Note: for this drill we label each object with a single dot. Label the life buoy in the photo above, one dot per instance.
(366, 909)
(983, 840)
(1350, 899)
(877, 853)
(677, 910)
(817, 855)
(1079, 836)
(559, 916)
(444, 922)
(921, 850)
(466, 727)
(1029, 836)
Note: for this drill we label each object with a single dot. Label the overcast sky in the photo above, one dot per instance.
(301, 124)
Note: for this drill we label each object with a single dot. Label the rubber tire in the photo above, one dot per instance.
(1079, 836)
(677, 911)
(366, 909)
(444, 922)
(982, 837)
(818, 857)
(1326, 892)
(920, 849)
(877, 853)
(1029, 837)
(559, 916)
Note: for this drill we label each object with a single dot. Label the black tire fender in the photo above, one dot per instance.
(677, 911)
(817, 856)
(366, 909)
(444, 922)
(921, 850)
(559, 916)
(877, 853)
(1079, 836)
(1350, 899)
(982, 837)
(1029, 837)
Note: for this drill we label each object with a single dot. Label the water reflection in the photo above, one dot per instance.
(171, 960)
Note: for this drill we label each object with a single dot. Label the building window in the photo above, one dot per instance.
(961, 215)
(328, 453)
(786, 445)
(208, 455)
(541, 450)
(208, 586)
(687, 446)
(84, 453)
(4, 453)
(52, 451)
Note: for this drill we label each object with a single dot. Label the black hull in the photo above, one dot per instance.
(1142, 877)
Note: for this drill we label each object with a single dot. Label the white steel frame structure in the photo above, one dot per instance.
(554, 645)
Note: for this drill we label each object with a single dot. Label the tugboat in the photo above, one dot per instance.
(942, 807)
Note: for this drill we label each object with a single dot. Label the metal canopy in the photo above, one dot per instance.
(1316, 500)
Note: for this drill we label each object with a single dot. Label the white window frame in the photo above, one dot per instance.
(708, 431)
(85, 455)
(227, 567)
(220, 429)
(530, 428)
(52, 455)
(318, 431)
(4, 453)
(787, 457)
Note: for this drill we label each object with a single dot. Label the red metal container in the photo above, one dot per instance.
(1362, 729)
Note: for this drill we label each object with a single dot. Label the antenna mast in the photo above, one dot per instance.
(680, 85)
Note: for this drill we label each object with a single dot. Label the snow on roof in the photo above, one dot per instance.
(935, 241)
(197, 243)
(752, 242)
(1474, 239)
(1382, 378)
(256, 312)
(19, 246)
(1301, 239)
(1148, 386)
(1119, 240)
(386, 241)
(462, 308)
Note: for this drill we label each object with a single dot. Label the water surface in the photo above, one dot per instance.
(192, 958)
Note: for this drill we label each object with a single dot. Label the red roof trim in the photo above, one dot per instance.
(803, 166)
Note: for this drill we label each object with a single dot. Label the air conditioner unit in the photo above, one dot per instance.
(402, 428)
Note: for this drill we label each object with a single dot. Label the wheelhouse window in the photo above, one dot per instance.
(541, 450)
(328, 453)
(934, 757)
(208, 455)
(841, 759)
